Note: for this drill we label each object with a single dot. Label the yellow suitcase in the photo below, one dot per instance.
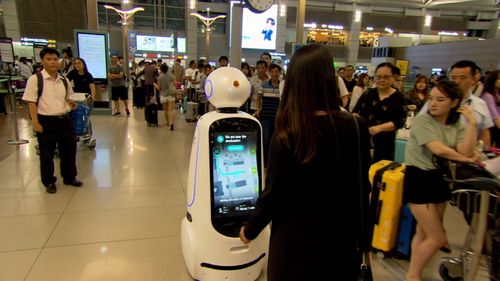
(386, 199)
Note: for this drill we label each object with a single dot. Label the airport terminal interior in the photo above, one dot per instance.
(124, 222)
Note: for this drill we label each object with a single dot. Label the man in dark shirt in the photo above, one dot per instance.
(348, 78)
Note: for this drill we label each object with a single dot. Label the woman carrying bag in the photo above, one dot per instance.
(312, 181)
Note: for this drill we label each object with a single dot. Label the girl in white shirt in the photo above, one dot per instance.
(359, 89)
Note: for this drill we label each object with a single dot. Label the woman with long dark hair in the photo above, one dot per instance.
(82, 80)
(313, 178)
(491, 95)
(435, 132)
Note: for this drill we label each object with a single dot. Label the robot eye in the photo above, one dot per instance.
(236, 83)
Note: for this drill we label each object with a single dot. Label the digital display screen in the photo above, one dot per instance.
(160, 44)
(259, 30)
(92, 48)
(235, 173)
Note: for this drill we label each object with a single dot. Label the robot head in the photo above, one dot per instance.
(227, 87)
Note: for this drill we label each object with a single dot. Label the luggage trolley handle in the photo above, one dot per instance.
(378, 185)
(379, 212)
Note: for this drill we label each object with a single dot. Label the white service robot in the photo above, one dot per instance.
(224, 181)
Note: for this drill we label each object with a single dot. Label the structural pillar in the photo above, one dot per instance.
(236, 33)
(11, 19)
(92, 19)
(125, 28)
(301, 17)
(353, 38)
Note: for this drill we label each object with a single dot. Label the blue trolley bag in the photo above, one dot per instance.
(80, 118)
(407, 227)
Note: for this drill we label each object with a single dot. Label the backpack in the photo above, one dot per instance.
(39, 78)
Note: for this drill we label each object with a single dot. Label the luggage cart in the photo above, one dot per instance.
(478, 198)
(81, 120)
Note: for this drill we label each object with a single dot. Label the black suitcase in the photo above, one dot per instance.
(139, 97)
(151, 114)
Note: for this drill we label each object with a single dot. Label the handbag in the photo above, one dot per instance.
(365, 270)
(404, 133)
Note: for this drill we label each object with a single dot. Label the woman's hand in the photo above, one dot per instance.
(375, 130)
(468, 114)
(242, 236)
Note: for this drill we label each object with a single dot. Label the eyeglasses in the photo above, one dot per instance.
(383, 77)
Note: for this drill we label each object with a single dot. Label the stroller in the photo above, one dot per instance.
(475, 192)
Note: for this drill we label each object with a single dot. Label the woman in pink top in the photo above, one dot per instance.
(491, 95)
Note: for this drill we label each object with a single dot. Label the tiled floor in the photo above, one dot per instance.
(124, 223)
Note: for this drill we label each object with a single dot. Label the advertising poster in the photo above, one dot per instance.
(403, 66)
(259, 30)
(6, 50)
(159, 44)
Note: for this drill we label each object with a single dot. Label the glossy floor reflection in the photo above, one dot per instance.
(124, 223)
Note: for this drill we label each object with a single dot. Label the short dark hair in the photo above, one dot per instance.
(349, 66)
(261, 62)
(453, 91)
(274, 66)
(68, 51)
(164, 67)
(396, 70)
(266, 54)
(386, 64)
(178, 60)
(49, 51)
(466, 63)
(223, 58)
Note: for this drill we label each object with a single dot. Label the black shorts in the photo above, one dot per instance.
(119, 93)
(423, 187)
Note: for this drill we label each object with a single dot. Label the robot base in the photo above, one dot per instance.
(214, 257)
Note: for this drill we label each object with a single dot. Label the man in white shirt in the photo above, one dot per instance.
(464, 74)
(49, 111)
(256, 85)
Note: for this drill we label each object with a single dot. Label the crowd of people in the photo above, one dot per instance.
(310, 117)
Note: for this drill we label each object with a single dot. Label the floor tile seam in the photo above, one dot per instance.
(19, 250)
(128, 186)
(33, 264)
(129, 208)
(180, 178)
(50, 235)
(111, 241)
(60, 217)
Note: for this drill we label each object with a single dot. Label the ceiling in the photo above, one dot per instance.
(464, 7)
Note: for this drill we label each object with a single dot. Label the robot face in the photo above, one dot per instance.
(227, 87)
